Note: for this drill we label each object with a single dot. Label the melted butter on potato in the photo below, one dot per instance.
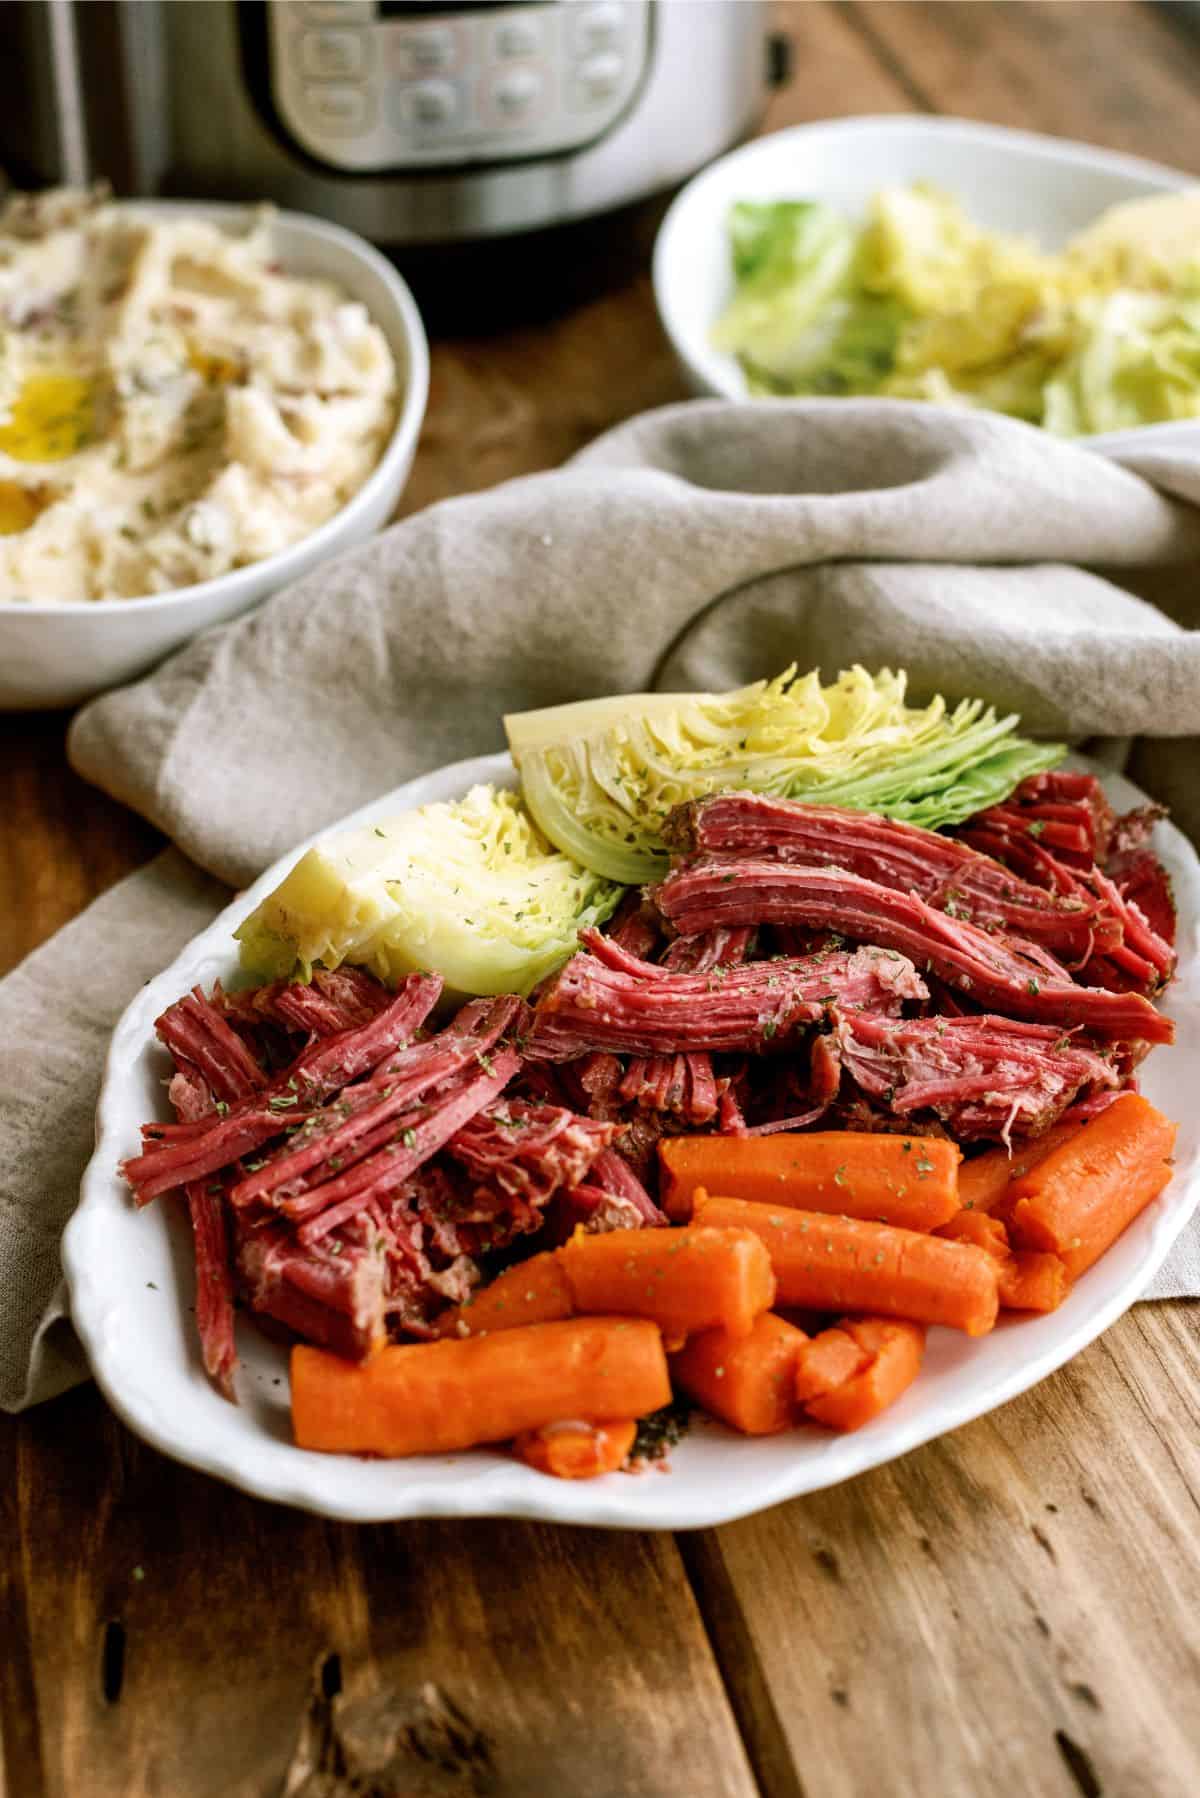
(19, 506)
(51, 418)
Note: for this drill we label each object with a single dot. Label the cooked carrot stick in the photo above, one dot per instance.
(433, 1397)
(1078, 1200)
(983, 1182)
(911, 1181)
(686, 1280)
(1033, 1281)
(826, 1362)
(747, 1381)
(895, 1349)
(577, 1451)
(985, 1232)
(846, 1263)
(533, 1292)
(1028, 1281)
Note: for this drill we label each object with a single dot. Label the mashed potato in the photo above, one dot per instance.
(172, 404)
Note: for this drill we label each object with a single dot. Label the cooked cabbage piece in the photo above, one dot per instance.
(469, 889)
(600, 777)
(801, 319)
(916, 301)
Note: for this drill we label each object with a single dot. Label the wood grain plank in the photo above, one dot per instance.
(1122, 73)
(1014, 1605)
(837, 70)
(190, 1640)
(62, 842)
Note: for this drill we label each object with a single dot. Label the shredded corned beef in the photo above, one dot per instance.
(1016, 979)
(1058, 831)
(606, 999)
(350, 1171)
(984, 1076)
(529, 1150)
(947, 874)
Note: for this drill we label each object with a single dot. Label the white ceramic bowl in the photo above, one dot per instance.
(1046, 188)
(57, 655)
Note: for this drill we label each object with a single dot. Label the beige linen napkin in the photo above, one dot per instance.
(698, 546)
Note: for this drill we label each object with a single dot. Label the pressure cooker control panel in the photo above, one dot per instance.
(375, 86)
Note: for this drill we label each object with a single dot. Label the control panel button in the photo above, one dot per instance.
(431, 50)
(598, 27)
(515, 95)
(340, 111)
(332, 55)
(428, 106)
(598, 78)
(517, 36)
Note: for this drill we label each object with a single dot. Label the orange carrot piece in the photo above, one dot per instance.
(686, 1280)
(826, 1362)
(1033, 1281)
(435, 1397)
(846, 1263)
(911, 1181)
(533, 1292)
(984, 1181)
(577, 1451)
(987, 1233)
(1029, 1281)
(1077, 1201)
(746, 1381)
(895, 1350)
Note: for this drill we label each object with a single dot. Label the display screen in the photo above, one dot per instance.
(397, 9)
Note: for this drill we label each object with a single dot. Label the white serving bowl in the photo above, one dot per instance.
(59, 654)
(1047, 188)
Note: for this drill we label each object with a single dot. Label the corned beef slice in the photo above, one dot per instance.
(1070, 814)
(366, 1115)
(700, 954)
(1017, 980)
(947, 874)
(334, 1299)
(612, 1198)
(414, 1139)
(195, 1032)
(335, 999)
(214, 1283)
(684, 1084)
(528, 1150)
(1141, 880)
(182, 1152)
(1059, 832)
(606, 999)
(983, 1076)
(235, 1076)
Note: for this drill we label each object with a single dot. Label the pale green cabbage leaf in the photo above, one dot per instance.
(600, 777)
(468, 889)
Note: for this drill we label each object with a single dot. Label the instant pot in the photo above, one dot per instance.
(416, 125)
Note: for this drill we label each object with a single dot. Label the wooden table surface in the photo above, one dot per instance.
(1014, 1609)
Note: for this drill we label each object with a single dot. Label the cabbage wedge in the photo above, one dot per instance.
(469, 889)
(601, 776)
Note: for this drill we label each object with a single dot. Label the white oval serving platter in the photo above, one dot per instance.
(131, 1283)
